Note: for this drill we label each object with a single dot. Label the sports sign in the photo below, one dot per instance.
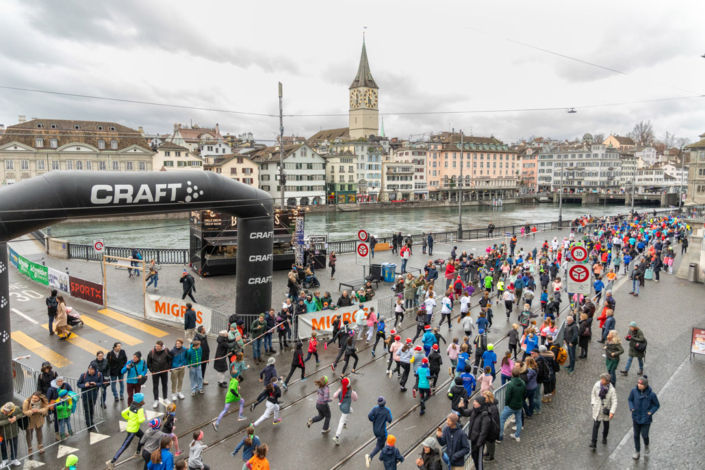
(578, 253)
(363, 254)
(578, 279)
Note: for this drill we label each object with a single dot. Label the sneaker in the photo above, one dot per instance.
(318, 363)
(646, 450)
(304, 379)
(367, 460)
(116, 399)
(173, 397)
(205, 382)
(325, 346)
(336, 439)
(193, 394)
(389, 372)
(16, 463)
(373, 354)
(516, 438)
(332, 366)
(215, 426)
(276, 421)
(181, 396)
(122, 397)
(635, 455)
(325, 431)
(639, 373)
(593, 445)
(284, 386)
(155, 405)
(604, 440)
(624, 372)
(201, 392)
(514, 428)
(241, 418)
(413, 392)
(109, 463)
(252, 407)
(309, 422)
(570, 371)
(487, 459)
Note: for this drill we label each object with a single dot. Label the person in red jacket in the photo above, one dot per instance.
(450, 274)
(312, 348)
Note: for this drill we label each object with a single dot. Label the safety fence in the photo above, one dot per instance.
(161, 255)
(54, 423)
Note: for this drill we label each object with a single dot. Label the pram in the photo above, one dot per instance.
(73, 318)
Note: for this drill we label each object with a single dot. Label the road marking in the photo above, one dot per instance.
(112, 332)
(81, 343)
(29, 464)
(123, 426)
(65, 450)
(95, 437)
(56, 359)
(24, 316)
(133, 323)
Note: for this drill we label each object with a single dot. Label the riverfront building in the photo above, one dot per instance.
(34, 147)
(696, 172)
(172, 157)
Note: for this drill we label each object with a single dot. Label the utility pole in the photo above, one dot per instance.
(560, 197)
(460, 191)
(633, 186)
(680, 190)
(282, 178)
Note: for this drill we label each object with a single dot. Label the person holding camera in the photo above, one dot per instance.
(637, 349)
(604, 405)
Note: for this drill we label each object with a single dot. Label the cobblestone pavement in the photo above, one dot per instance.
(559, 436)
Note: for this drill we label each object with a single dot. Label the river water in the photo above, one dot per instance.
(170, 233)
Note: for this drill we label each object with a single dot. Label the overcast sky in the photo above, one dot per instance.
(425, 57)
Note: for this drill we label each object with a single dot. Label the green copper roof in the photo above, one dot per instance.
(381, 131)
(364, 76)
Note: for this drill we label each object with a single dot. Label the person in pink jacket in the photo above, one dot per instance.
(507, 366)
(453, 350)
(485, 380)
(371, 320)
(394, 354)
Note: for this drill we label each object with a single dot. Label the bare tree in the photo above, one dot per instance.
(681, 142)
(669, 140)
(643, 134)
(598, 138)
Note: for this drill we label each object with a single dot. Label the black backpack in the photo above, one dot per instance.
(493, 433)
(544, 373)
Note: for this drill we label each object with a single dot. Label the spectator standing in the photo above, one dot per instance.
(571, 342)
(193, 360)
(178, 369)
(455, 440)
(159, 362)
(90, 382)
(117, 359)
(35, 408)
(604, 405)
(52, 305)
(643, 403)
(189, 324)
(513, 404)
(202, 336)
(331, 262)
(637, 348)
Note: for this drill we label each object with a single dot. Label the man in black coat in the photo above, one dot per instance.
(571, 342)
(202, 336)
(189, 324)
(117, 360)
(189, 285)
(480, 428)
(52, 305)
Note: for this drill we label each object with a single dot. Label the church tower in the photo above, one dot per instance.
(364, 95)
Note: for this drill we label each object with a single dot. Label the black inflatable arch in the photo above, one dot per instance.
(57, 196)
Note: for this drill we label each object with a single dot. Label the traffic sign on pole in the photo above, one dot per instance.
(578, 279)
(362, 235)
(363, 254)
(99, 246)
(578, 253)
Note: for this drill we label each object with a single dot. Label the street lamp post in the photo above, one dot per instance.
(282, 178)
(560, 199)
(633, 187)
(680, 189)
(460, 191)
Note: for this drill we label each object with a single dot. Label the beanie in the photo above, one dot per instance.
(632, 324)
(643, 381)
(381, 401)
(155, 423)
(391, 440)
(397, 338)
(480, 400)
(458, 381)
(138, 398)
(427, 327)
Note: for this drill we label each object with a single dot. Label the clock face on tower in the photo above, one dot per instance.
(370, 99)
(354, 99)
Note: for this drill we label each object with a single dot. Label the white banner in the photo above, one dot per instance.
(59, 280)
(172, 309)
(322, 321)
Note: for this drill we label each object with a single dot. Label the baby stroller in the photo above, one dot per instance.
(73, 318)
(311, 282)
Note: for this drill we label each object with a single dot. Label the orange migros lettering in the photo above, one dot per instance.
(318, 323)
(160, 307)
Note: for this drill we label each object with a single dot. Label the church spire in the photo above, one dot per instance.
(364, 76)
(381, 131)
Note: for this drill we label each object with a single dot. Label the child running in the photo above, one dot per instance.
(312, 348)
(345, 395)
(248, 445)
(380, 335)
(233, 396)
(453, 351)
(272, 394)
(322, 400)
(169, 426)
(134, 415)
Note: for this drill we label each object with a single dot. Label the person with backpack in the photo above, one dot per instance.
(603, 401)
(52, 305)
(549, 385)
(637, 348)
(571, 341)
(643, 403)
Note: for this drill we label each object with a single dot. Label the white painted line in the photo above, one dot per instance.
(29, 464)
(65, 450)
(24, 316)
(95, 437)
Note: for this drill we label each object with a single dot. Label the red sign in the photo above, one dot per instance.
(578, 273)
(362, 235)
(86, 290)
(362, 250)
(698, 341)
(98, 246)
(578, 253)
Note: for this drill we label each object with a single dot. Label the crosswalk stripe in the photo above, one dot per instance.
(80, 342)
(133, 323)
(112, 332)
(56, 359)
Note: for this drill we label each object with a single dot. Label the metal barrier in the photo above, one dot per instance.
(25, 384)
(161, 255)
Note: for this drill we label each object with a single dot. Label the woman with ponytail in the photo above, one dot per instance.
(195, 450)
(161, 458)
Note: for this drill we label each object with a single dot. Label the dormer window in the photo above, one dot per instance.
(77, 127)
(53, 126)
(101, 144)
(112, 128)
(54, 143)
(113, 144)
(40, 125)
(39, 142)
(100, 128)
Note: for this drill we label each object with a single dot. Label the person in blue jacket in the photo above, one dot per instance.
(390, 455)
(428, 340)
(135, 369)
(643, 403)
(178, 366)
(380, 415)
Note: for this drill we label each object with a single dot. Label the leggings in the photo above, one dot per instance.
(282, 339)
(332, 271)
(126, 443)
(291, 372)
(323, 414)
(340, 354)
(399, 318)
(334, 337)
(515, 348)
(445, 316)
(227, 407)
(347, 359)
(406, 367)
(381, 336)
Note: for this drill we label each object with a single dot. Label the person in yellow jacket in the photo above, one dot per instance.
(134, 415)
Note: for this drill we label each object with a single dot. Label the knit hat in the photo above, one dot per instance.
(138, 398)
(71, 461)
(480, 400)
(408, 340)
(482, 332)
(62, 394)
(427, 327)
(490, 347)
(391, 440)
(271, 361)
(381, 401)
(632, 324)
(453, 418)
(431, 442)
(435, 347)
(458, 381)
(8, 407)
(542, 349)
(643, 381)
(155, 423)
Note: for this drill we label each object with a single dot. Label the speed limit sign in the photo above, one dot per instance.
(578, 279)
(578, 253)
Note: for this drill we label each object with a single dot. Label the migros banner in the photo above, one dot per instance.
(172, 309)
(322, 321)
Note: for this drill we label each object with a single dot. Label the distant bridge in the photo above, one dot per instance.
(662, 200)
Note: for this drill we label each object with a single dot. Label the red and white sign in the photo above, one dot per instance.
(99, 246)
(362, 235)
(578, 253)
(363, 254)
(578, 279)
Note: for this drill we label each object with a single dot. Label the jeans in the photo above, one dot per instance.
(505, 378)
(403, 265)
(596, 429)
(257, 348)
(643, 431)
(629, 363)
(113, 384)
(268, 342)
(529, 407)
(196, 377)
(635, 286)
(323, 414)
(66, 422)
(506, 412)
(51, 324)
(430, 249)
(13, 448)
(154, 279)
(613, 373)
(372, 251)
(537, 398)
(571, 356)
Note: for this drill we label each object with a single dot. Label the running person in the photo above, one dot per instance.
(134, 415)
(233, 396)
(271, 393)
(322, 400)
(345, 395)
(380, 335)
(297, 362)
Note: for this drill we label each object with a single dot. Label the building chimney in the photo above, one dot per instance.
(21, 118)
(141, 130)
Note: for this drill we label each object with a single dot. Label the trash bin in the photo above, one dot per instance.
(693, 272)
(388, 270)
(375, 272)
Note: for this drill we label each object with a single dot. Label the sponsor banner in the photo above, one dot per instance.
(322, 321)
(34, 271)
(86, 290)
(59, 280)
(14, 258)
(698, 341)
(172, 309)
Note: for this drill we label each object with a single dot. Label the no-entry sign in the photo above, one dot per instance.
(362, 235)
(363, 254)
(578, 253)
(578, 279)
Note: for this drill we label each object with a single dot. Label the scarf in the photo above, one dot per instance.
(603, 391)
(345, 383)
